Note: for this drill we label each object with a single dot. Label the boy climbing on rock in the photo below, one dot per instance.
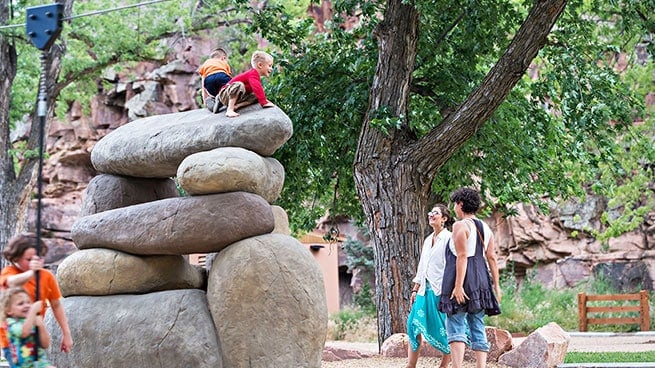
(215, 73)
(246, 88)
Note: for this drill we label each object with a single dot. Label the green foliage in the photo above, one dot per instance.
(358, 255)
(323, 87)
(365, 299)
(530, 306)
(609, 357)
(554, 133)
(346, 320)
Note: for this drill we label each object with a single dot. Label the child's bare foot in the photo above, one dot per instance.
(231, 114)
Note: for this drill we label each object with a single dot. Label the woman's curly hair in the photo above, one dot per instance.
(470, 199)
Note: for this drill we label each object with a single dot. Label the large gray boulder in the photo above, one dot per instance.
(267, 299)
(164, 329)
(229, 169)
(153, 147)
(106, 192)
(182, 225)
(100, 272)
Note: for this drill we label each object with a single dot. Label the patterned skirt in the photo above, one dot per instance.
(425, 320)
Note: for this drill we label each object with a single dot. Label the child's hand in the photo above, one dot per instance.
(36, 306)
(36, 263)
(269, 104)
(39, 321)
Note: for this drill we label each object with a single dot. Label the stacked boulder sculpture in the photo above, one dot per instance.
(131, 296)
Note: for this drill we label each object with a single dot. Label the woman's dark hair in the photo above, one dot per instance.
(445, 212)
(470, 199)
(17, 246)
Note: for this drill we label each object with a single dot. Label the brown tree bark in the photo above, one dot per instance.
(394, 172)
(16, 182)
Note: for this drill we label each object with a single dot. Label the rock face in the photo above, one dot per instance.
(265, 290)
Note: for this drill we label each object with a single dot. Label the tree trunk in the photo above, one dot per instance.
(15, 188)
(394, 172)
(393, 198)
(8, 64)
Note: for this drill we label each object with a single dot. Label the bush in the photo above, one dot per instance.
(352, 325)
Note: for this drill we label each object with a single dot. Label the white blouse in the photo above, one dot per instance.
(432, 262)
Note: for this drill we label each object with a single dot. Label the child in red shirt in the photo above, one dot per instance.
(246, 88)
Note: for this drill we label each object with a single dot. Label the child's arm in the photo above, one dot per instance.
(202, 88)
(44, 336)
(258, 90)
(30, 319)
(20, 279)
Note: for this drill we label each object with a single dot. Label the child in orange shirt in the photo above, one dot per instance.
(215, 73)
(20, 251)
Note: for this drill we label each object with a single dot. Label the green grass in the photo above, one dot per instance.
(530, 306)
(613, 357)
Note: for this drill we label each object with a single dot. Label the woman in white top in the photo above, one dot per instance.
(425, 321)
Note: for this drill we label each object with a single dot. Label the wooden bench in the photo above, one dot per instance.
(643, 308)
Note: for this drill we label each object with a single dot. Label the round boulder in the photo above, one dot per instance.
(268, 303)
(153, 147)
(163, 329)
(230, 169)
(106, 192)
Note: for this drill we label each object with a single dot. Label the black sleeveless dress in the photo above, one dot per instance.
(477, 282)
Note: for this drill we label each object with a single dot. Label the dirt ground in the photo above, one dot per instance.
(580, 342)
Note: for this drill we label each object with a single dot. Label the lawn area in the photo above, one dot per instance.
(611, 357)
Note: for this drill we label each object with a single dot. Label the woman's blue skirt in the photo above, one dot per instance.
(425, 320)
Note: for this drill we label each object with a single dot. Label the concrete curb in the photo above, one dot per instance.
(607, 365)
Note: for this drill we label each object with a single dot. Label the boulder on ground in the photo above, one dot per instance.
(544, 348)
(272, 313)
(500, 342)
(163, 329)
(396, 345)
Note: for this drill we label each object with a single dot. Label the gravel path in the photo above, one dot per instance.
(580, 342)
(381, 362)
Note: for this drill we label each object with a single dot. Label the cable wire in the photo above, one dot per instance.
(97, 12)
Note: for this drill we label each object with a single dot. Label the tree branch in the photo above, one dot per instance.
(481, 104)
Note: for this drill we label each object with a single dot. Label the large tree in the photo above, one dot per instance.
(407, 163)
(443, 99)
